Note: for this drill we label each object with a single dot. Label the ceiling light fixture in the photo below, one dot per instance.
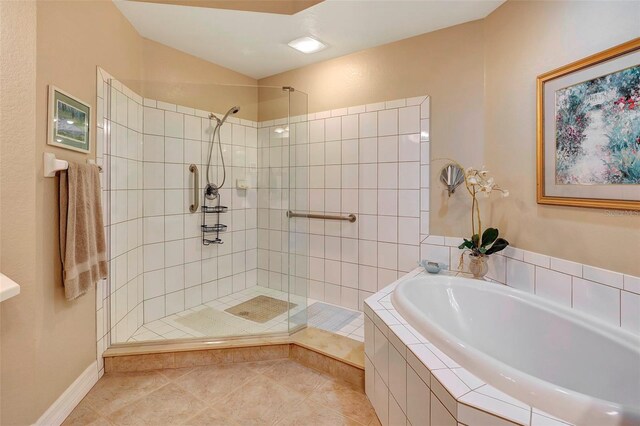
(307, 45)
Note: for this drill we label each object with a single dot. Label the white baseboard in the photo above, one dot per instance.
(70, 398)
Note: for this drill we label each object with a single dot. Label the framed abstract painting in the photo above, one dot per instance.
(588, 131)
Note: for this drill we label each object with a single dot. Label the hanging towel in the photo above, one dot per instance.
(82, 242)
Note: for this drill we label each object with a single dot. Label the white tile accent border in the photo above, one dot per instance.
(410, 381)
(610, 296)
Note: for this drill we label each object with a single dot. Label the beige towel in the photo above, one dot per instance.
(82, 243)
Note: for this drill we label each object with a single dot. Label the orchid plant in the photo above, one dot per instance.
(482, 243)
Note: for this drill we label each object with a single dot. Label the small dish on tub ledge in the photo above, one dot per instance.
(432, 267)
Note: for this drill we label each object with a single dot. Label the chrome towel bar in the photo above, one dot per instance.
(350, 217)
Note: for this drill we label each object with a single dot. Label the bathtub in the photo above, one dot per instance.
(551, 357)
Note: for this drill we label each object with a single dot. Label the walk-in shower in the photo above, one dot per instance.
(203, 255)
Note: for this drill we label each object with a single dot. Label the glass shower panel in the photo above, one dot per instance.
(298, 231)
(199, 185)
(275, 262)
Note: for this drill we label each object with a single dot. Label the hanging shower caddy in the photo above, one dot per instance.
(208, 231)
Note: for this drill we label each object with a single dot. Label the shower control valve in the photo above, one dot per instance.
(211, 191)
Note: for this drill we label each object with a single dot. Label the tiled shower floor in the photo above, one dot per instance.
(223, 324)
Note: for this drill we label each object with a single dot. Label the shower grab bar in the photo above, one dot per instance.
(196, 191)
(350, 217)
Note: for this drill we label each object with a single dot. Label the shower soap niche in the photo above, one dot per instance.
(241, 184)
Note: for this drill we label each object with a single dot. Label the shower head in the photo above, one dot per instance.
(232, 111)
(212, 190)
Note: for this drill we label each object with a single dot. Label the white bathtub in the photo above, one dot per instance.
(560, 361)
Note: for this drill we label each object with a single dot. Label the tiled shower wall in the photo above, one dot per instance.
(120, 115)
(158, 265)
(370, 160)
(179, 271)
(367, 160)
(283, 252)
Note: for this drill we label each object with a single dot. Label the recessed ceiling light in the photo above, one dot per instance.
(307, 45)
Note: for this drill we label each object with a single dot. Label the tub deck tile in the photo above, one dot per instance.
(464, 396)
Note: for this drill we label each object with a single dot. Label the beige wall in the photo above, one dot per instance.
(46, 341)
(173, 76)
(481, 78)
(73, 38)
(446, 65)
(523, 40)
(20, 317)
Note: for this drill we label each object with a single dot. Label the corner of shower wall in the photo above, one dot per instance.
(184, 272)
(119, 152)
(158, 265)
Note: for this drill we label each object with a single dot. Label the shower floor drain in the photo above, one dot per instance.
(261, 309)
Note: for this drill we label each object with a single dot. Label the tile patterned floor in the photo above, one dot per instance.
(226, 324)
(280, 392)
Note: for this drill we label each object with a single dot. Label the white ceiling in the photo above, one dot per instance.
(255, 43)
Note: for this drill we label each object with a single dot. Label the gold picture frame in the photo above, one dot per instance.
(624, 53)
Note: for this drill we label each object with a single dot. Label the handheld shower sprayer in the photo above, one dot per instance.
(211, 190)
(232, 111)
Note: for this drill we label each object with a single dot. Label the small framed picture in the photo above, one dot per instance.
(588, 132)
(69, 121)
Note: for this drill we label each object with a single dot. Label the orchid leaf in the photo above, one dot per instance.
(467, 244)
(475, 239)
(489, 236)
(499, 245)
